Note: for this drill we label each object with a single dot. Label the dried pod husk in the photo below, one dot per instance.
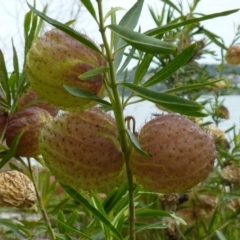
(231, 173)
(233, 55)
(222, 112)
(30, 98)
(199, 206)
(82, 150)
(218, 135)
(30, 120)
(55, 59)
(182, 155)
(217, 85)
(234, 204)
(16, 190)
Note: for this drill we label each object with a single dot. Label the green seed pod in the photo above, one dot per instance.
(82, 150)
(56, 59)
(182, 154)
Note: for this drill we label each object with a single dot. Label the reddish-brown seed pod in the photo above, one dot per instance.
(55, 59)
(3, 120)
(233, 55)
(182, 154)
(30, 98)
(31, 120)
(82, 150)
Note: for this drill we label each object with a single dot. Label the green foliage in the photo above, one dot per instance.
(127, 210)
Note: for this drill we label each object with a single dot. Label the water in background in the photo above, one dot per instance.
(143, 111)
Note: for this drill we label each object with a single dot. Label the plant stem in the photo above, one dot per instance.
(118, 112)
(44, 213)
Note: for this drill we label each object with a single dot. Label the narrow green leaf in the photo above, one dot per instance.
(12, 151)
(66, 29)
(15, 61)
(111, 201)
(172, 5)
(27, 23)
(67, 237)
(71, 228)
(59, 206)
(120, 221)
(179, 61)
(127, 60)
(4, 76)
(191, 87)
(128, 21)
(61, 218)
(78, 197)
(143, 42)
(72, 219)
(93, 73)
(16, 227)
(83, 94)
(98, 205)
(112, 12)
(170, 26)
(88, 5)
(136, 145)
(156, 225)
(31, 35)
(40, 23)
(142, 68)
(171, 102)
(214, 38)
(147, 212)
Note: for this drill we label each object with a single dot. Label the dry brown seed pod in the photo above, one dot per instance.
(233, 55)
(16, 190)
(182, 154)
(231, 173)
(31, 120)
(218, 135)
(222, 112)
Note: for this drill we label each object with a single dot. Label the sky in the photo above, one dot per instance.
(12, 16)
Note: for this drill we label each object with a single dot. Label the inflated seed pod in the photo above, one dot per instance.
(31, 121)
(55, 59)
(82, 150)
(182, 154)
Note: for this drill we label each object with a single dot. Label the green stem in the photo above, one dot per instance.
(118, 112)
(44, 213)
